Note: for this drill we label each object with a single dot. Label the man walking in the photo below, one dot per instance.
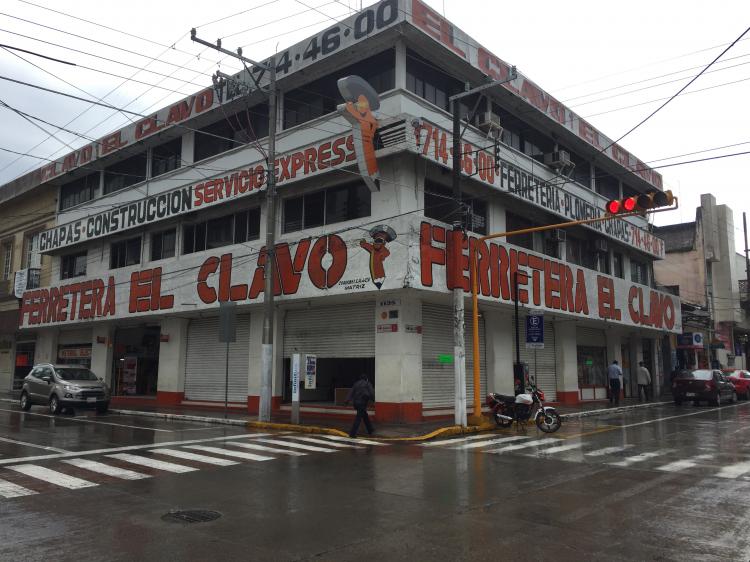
(644, 380)
(360, 394)
(614, 372)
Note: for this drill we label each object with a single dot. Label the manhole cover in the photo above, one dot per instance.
(191, 516)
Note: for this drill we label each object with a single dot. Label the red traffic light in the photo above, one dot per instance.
(629, 204)
(613, 207)
(640, 203)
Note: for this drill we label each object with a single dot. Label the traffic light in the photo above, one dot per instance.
(640, 203)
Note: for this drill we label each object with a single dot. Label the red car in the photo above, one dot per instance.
(741, 380)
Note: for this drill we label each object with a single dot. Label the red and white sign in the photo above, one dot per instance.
(74, 352)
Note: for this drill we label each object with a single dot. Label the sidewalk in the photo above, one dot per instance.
(324, 424)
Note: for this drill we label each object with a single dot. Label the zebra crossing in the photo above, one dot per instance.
(718, 465)
(74, 471)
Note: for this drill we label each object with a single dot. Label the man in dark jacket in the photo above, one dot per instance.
(360, 394)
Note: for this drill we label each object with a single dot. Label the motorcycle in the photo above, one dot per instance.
(521, 408)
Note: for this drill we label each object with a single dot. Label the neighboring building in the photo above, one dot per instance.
(22, 267)
(704, 269)
(161, 221)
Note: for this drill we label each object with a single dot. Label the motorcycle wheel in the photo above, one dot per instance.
(549, 422)
(502, 422)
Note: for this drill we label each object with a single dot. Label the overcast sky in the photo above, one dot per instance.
(611, 63)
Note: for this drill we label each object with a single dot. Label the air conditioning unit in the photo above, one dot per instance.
(600, 245)
(489, 122)
(558, 159)
(558, 235)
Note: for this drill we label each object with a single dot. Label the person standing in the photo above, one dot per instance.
(614, 372)
(360, 395)
(644, 380)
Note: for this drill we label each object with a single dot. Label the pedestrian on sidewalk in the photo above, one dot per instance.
(360, 395)
(644, 380)
(614, 372)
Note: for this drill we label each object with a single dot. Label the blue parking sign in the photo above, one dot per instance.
(535, 331)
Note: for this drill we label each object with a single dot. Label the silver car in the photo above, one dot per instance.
(64, 386)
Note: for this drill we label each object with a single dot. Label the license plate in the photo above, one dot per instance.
(690, 394)
(91, 400)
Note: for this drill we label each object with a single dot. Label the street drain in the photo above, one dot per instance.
(191, 516)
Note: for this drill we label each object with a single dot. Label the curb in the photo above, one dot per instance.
(179, 417)
(606, 411)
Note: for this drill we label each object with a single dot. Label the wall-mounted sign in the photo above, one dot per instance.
(311, 372)
(535, 331)
(20, 283)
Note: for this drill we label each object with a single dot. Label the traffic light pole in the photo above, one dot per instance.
(476, 419)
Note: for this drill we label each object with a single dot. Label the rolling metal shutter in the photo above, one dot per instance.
(206, 360)
(344, 331)
(542, 363)
(437, 339)
(590, 337)
(70, 337)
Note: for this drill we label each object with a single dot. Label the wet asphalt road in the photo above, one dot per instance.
(665, 483)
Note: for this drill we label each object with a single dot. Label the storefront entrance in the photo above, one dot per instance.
(24, 362)
(592, 363)
(136, 361)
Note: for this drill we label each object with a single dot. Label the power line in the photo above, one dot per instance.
(34, 53)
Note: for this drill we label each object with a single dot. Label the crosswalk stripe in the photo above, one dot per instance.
(194, 457)
(607, 451)
(11, 490)
(683, 464)
(267, 448)
(230, 453)
(323, 442)
(561, 448)
(106, 469)
(734, 470)
(297, 445)
(153, 463)
(52, 476)
(537, 443)
(478, 444)
(353, 440)
(458, 440)
(627, 461)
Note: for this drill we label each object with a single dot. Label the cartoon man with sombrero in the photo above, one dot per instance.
(381, 235)
(361, 100)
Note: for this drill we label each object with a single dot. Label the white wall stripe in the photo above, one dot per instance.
(231, 453)
(152, 463)
(194, 457)
(257, 447)
(734, 470)
(627, 461)
(537, 443)
(297, 445)
(608, 451)
(52, 476)
(106, 469)
(11, 490)
(352, 440)
(323, 442)
(479, 444)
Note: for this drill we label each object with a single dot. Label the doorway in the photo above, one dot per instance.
(136, 361)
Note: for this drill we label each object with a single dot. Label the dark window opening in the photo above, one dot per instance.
(638, 272)
(236, 228)
(78, 191)
(582, 171)
(231, 131)
(73, 265)
(439, 204)
(523, 137)
(606, 185)
(328, 206)
(515, 222)
(321, 97)
(163, 244)
(125, 253)
(166, 157)
(126, 173)
(619, 269)
(429, 82)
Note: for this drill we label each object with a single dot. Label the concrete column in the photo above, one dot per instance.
(188, 148)
(400, 65)
(102, 346)
(566, 354)
(614, 353)
(171, 382)
(277, 388)
(46, 346)
(398, 359)
(254, 361)
(498, 328)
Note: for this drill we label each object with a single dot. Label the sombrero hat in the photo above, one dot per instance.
(351, 87)
(387, 231)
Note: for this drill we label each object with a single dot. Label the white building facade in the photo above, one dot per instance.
(161, 221)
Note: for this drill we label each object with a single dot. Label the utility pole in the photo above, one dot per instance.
(459, 344)
(747, 257)
(266, 382)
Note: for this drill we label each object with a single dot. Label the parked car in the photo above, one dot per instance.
(64, 386)
(709, 385)
(740, 378)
